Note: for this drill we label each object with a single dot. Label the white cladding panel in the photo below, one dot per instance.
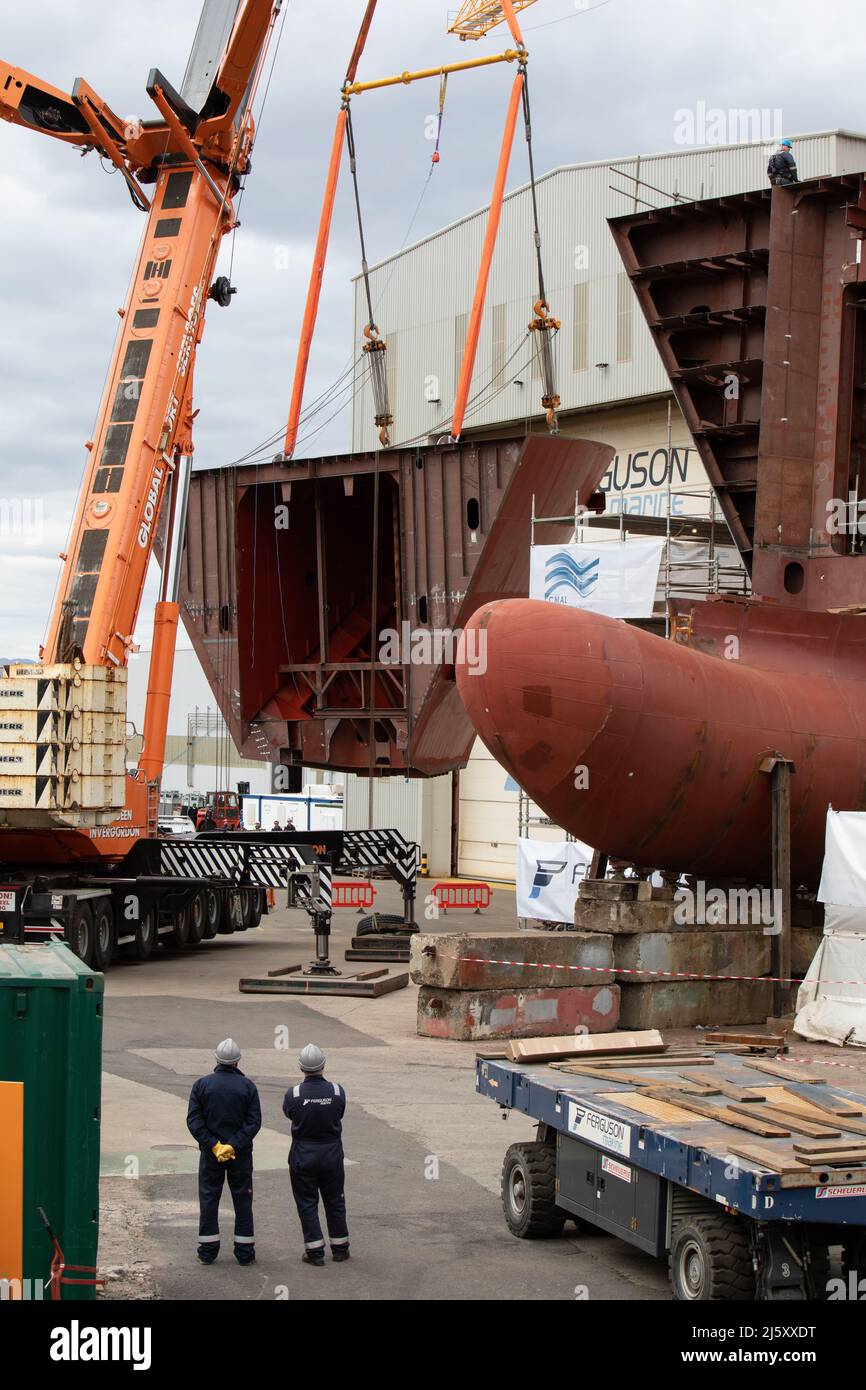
(489, 820)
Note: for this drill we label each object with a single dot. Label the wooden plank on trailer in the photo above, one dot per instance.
(814, 1146)
(795, 1122)
(767, 1129)
(586, 1044)
(667, 1060)
(788, 1071)
(776, 1160)
(648, 1105)
(727, 1088)
(823, 1112)
(844, 1159)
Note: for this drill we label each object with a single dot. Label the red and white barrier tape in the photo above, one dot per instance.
(666, 974)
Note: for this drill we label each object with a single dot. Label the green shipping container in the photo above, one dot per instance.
(51, 1042)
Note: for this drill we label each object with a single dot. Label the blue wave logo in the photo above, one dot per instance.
(562, 571)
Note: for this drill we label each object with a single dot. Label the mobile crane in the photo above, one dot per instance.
(80, 855)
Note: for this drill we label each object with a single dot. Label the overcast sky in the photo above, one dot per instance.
(607, 79)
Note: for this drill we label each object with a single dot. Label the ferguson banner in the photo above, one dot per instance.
(617, 578)
(548, 874)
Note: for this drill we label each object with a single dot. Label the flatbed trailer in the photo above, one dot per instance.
(685, 1184)
(180, 892)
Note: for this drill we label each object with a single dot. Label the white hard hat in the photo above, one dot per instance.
(311, 1058)
(228, 1053)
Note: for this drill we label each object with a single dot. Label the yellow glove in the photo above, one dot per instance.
(222, 1152)
(228, 1153)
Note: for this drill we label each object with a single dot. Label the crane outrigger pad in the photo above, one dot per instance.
(318, 984)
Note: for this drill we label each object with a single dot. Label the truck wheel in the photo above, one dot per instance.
(81, 933)
(104, 940)
(212, 913)
(529, 1191)
(145, 935)
(197, 908)
(710, 1260)
(179, 934)
(256, 895)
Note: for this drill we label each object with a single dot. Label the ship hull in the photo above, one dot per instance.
(651, 751)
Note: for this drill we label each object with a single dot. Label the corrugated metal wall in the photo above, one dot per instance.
(397, 804)
(423, 293)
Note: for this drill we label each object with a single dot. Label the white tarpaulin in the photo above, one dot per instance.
(617, 578)
(843, 878)
(831, 1004)
(548, 875)
(828, 1008)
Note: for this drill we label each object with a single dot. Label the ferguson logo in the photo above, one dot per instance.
(150, 506)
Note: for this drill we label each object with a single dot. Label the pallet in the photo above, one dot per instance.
(364, 987)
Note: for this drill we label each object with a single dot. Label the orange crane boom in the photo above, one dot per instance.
(191, 161)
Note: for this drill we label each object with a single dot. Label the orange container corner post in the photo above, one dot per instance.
(12, 1185)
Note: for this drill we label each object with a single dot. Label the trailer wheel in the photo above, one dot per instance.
(81, 933)
(197, 909)
(179, 935)
(258, 906)
(212, 913)
(710, 1260)
(248, 906)
(104, 939)
(529, 1191)
(231, 916)
(145, 935)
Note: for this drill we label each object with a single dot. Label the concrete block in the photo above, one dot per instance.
(685, 1003)
(456, 963)
(615, 890)
(710, 951)
(475, 1015)
(624, 918)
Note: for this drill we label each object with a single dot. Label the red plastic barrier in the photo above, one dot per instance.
(357, 892)
(470, 896)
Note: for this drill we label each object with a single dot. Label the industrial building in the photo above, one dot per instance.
(613, 385)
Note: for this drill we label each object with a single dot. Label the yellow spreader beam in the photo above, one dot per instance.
(511, 55)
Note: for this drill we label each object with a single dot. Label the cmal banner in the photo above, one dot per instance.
(548, 874)
(617, 578)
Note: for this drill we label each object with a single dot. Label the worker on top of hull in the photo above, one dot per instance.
(782, 166)
(225, 1116)
(316, 1108)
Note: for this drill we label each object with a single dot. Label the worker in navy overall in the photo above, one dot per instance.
(316, 1108)
(782, 168)
(224, 1116)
